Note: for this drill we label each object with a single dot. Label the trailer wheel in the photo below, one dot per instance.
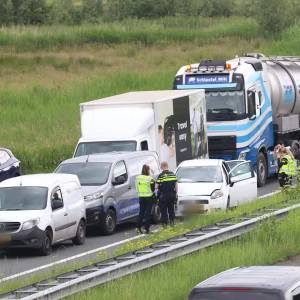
(261, 169)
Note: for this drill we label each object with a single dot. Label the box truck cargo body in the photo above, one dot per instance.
(172, 123)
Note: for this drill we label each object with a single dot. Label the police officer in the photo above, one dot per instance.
(287, 168)
(145, 186)
(167, 194)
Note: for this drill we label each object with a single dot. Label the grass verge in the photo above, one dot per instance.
(279, 200)
(270, 242)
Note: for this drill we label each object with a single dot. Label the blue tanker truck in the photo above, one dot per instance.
(252, 103)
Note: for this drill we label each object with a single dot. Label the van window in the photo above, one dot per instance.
(144, 145)
(236, 295)
(23, 198)
(120, 170)
(296, 297)
(57, 198)
(251, 103)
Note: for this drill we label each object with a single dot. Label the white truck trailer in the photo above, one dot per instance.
(172, 123)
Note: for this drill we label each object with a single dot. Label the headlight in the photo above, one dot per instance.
(94, 196)
(30, 224)
(216, 194)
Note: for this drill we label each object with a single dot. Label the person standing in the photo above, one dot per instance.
(167, 194)
(145, 186)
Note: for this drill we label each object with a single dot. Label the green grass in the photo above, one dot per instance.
(270, 242)
(288, 197)
(146, 32)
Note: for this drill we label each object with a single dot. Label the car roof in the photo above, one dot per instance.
(110, 157)
(270, 277)
(46, 180)
(201, 162)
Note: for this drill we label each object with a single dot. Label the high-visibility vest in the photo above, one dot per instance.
(143, 185)
(289, 168)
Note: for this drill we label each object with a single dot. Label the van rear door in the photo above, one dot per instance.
(235, 294)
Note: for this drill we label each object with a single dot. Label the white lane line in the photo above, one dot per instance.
(70, 258)
(89, 252)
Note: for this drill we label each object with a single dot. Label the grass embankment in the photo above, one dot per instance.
(270, 242)
(47, 71)
(276, 201)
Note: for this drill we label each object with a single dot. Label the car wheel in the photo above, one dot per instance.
(156, 214)
(79, 239)
(261, 169)
(46, 248)
(109, 223)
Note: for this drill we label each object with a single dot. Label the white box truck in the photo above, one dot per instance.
(172, 123)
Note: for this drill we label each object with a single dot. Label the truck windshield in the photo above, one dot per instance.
(23, 198)
(104, 147)
(225, 106)
(199, 174)
(235, 295)
(90, 173)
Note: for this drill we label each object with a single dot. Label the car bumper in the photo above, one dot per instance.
(94, 215)
(31, 238)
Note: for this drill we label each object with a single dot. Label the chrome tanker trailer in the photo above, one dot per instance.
(253, 102)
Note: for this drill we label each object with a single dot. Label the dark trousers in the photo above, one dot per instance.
(284, 179)
(144, 218)
(167, 208)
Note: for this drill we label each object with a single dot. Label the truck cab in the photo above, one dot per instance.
(238, 110)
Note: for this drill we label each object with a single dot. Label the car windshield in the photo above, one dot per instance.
(225, 106)
(23, 198)
(199, 174)
(90, 173)
(104, 147)
(235, 295)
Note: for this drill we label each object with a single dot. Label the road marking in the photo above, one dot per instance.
(91, 252)
(70, 258)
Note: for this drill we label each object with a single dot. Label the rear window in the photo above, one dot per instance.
(234, 295)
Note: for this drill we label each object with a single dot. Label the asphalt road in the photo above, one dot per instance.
(14, 262)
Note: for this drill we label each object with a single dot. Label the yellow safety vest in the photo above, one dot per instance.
(290, 168)
(143, 185)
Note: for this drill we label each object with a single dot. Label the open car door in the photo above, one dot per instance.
(243, 182)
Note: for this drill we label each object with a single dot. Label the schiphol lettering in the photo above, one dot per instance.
(182, 137)
(182, 126)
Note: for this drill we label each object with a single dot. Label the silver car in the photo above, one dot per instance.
(251, 283)
(108, 184)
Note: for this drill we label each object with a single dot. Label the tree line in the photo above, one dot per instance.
(272, 15)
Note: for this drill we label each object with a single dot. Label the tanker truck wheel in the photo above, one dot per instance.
(261, 169)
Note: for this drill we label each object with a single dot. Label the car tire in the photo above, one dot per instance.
(109, 222)
(46, 247)
(79, 239)
(156, 214)
(261, 169)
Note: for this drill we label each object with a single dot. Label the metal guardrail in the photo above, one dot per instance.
(88, 277)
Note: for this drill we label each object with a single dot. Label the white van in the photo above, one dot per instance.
(37, 211)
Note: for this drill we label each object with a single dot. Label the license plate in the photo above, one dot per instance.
(194, 208)
(4, 239)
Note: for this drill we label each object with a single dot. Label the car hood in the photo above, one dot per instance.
(19, 215)
(197, 188)
(88, 190)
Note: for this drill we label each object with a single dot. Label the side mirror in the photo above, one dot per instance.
(56, 204)
(119, 180)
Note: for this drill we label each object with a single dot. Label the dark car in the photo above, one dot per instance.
(10, 166)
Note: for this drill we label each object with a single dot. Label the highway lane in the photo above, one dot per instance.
(14, 262)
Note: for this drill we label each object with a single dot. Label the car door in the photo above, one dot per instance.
(59, 215)
(243, 184)
(122, 190)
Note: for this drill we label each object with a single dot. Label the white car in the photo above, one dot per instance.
(209, 184)
(37, 211)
